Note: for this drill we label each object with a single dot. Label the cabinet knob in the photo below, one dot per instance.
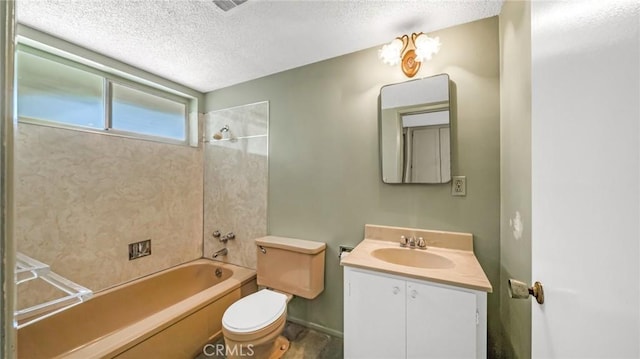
(396, 290)
(414, 293)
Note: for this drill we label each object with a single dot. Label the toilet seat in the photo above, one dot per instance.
(255, 312)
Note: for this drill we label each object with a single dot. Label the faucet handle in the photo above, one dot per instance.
(403, 241)
(421, 243)
(227, 237)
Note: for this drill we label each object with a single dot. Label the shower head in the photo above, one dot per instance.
(220, 134)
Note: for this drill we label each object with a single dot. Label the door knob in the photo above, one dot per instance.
(520, 290)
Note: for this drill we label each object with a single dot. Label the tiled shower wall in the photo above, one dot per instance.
(82, 197)
(235, 181)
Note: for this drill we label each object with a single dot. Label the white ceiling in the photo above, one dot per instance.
(196, 44)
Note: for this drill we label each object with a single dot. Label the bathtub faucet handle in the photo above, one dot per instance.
(227, 237)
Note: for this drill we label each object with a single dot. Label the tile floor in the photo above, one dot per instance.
(305, 344)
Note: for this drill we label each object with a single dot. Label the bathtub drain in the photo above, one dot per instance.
(218, 272)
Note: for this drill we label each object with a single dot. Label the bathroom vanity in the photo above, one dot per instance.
(410, 302)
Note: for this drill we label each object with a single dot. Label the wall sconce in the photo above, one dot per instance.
(410, 52)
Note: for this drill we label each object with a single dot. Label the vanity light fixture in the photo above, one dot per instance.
(410, 51)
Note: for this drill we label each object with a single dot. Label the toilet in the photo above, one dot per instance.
(252, 326)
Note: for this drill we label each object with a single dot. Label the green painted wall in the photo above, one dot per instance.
(515, 179)
(324, 168)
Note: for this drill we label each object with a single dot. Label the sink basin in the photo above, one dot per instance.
(412, 258)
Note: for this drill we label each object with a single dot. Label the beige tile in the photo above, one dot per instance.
(236, 174)
(82, 197)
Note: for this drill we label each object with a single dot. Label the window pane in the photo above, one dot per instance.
(140, 112)
(51, 91)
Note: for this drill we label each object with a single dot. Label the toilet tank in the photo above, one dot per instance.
(291, 265)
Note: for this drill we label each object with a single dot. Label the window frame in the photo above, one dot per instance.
(107, 97)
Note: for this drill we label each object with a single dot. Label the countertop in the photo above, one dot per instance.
(466, 272)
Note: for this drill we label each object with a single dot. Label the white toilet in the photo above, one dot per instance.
(286, 267)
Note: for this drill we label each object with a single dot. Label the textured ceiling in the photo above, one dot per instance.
(194, 43)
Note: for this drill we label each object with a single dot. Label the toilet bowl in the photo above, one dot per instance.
(252, 325)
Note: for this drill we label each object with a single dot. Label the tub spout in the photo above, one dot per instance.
(222, 252)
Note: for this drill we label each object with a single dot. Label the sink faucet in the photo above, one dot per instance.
(413, 242)
(222, 252)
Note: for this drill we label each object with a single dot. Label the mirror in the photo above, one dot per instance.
(415, 124)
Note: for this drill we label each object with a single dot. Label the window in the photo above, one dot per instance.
(56, 91)
(140, 112)
(59, 93)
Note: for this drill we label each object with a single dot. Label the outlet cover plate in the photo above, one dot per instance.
(459, 186)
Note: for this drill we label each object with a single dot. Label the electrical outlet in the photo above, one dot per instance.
(459, 186)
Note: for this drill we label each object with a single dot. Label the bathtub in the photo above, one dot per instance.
(170, 314)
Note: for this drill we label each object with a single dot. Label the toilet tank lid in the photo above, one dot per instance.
(292, 244)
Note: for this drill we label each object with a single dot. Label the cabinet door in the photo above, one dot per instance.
(441, 322)
(374, 316)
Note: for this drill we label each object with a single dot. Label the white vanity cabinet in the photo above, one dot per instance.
(390, 316)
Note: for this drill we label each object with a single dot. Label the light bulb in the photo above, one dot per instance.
(391, 53)
(426, 47)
